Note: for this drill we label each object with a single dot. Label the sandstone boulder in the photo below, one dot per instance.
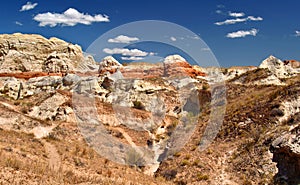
(70, 79)
(50, 109)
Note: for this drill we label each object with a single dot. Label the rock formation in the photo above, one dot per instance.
(272, 71)
(286, 151)
(29, 52)
(109, 64)
(279, 68)
(175, 65)
(235, 71)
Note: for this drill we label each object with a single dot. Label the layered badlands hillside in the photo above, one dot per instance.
(66, 119)
(173, 65)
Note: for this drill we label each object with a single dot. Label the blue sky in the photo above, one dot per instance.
(238, 32)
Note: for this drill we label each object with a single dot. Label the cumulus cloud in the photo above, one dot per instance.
(123, 39)
(18, 23)
(28, 6)
(70, 17)
(126, 52)
(173, 39)
(236, 14)
(239, 20)
(132, 58)
(297, 33)
(242, 33)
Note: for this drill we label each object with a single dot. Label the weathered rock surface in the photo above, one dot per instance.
(292, 63)
(232, 72)
(175, 65)
(286, 153)
(172, 66)
(272, 71)
(109, 64)
(29, 52)
(70, 79)
(279, 68)
(50, 109)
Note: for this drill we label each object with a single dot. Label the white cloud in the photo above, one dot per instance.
(18, 23)
(252, 18)
(239, 20)
(242, 33)
(28, 6)
(236, 14)
(70, 17)
(123, 39)
(231, 21)
(205, 49)
(297, 33)
(173, 39)
(132, 58)
(126, 52)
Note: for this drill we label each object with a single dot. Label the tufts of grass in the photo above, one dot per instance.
(202, 177)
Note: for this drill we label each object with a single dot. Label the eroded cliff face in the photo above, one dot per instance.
(279, 68)
(286, 153)
(29, 52)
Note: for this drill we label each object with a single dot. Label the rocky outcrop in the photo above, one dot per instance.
(290, 108)
(109, 64)
(29, 52)
(175, 65)
(232, 72)
(172, 66)
(279, 68)
(292, 63)
(142, 70)
(50, 109)
(286, 153)
(272, 71)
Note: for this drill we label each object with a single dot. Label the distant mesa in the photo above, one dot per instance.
(173, 65)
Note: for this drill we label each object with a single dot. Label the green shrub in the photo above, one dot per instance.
(185, 162)
(134, 158)
(202, 177)
(138, 105)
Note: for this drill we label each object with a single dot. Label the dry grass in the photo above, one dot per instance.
(23, 160)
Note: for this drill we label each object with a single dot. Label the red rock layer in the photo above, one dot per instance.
(178, 69)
